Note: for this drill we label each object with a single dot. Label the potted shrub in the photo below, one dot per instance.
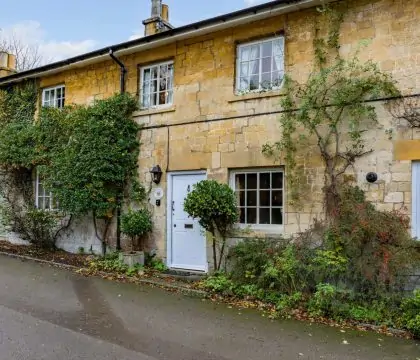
(135, 224)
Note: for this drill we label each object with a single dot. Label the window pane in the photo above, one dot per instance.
(267, 49)
(266, 80)
(170, 70)
(146, 100)
(266, 65)
(41, 203)
(240, 182)
(277, 180)
(244, 69)
(162, 98)
(154, 86)
(251, 181)
(251, 198)
(245, 51)
(163, 71)
(242, 216)
(278, 64)
(254, 83)
(265, 198)
(255, 52)
(153, 99)
(162, 84)
(277, 77)
(254, 67)
(278, 47)
(146, 75)
(63, 93)
(47, 96)
(154, 72)
(251, 216)
(169, 97)
(265, 216)
(277, 198)
(244, 84)
(277, 216)
(46, 203)
(241, 198)
(169, 83)
(265, 181)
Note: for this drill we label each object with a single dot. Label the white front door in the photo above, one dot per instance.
(187, 248)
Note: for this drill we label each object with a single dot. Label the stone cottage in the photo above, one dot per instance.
(205, 116)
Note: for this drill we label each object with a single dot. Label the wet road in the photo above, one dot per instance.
(46, 313)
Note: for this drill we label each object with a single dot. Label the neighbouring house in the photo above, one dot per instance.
(205, 116)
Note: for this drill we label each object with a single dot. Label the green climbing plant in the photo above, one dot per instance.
(87, 154)
(331, 110)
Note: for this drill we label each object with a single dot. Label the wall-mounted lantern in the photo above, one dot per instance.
(156, 174)
(371, 177)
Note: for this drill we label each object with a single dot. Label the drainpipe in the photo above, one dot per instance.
(122, 90)
(123, 70)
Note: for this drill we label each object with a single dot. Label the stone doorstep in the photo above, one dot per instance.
(154, 282)
(183, 275)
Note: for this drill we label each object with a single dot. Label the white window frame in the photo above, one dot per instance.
(54, 90)
(238, 65)
(267, 228)
(158, 65)
(44, 196)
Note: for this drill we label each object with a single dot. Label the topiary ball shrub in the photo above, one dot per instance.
(136, 224)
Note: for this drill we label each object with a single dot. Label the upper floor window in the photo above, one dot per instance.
(156, 85)
(54, 96)
(259, 195)
(260, 65)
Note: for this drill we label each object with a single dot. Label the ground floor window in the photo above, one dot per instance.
(44, 199)
(259, 195)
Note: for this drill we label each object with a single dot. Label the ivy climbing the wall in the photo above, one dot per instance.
(87, 155)
(330, 110)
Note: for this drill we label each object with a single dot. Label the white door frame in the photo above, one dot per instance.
(170, 176)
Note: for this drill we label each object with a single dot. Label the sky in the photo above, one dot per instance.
(62, 29)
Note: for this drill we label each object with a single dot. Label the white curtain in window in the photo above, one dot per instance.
(254, 55)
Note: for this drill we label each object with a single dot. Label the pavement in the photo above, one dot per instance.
(49, 313)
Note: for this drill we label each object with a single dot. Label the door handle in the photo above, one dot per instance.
(188, 226)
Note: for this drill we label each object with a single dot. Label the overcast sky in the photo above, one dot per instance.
(65, 28)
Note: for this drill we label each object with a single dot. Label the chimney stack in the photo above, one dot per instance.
(7, 64)
(159, 20)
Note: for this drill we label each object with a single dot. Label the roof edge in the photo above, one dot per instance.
(169, 34)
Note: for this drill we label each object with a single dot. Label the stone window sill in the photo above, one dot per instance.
(152, 111)
(253, 230)
(257, 95)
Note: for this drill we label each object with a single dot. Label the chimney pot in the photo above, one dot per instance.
(4, 56)
(165, 12)
(7, 64)
(156, 8)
